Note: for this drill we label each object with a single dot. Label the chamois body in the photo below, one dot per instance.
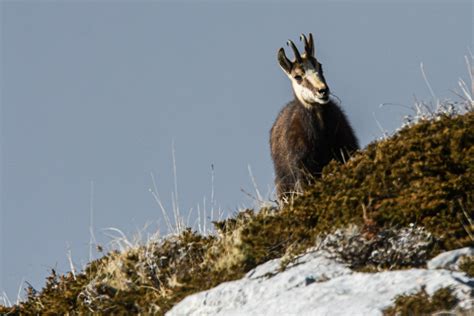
(311, 130)
(304, 140)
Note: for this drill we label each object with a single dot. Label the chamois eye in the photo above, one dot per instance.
(298, 79)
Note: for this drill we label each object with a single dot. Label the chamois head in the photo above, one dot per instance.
(305, 73)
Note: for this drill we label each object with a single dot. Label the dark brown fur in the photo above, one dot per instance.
(306, 137)
(304, 140)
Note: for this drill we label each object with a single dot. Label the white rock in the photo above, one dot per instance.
(450, 259)
(316, 285)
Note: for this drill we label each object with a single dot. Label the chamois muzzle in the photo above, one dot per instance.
(323, 93)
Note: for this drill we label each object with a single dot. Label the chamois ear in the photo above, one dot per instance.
(284, 62)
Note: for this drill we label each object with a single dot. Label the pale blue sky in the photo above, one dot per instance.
(98, 91)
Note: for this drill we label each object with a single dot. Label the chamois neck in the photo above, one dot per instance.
(316, 107)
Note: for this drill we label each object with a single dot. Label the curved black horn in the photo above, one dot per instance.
(311, 44)
(307, 47)
(295, 51)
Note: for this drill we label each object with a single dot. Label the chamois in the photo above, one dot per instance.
(309, 131)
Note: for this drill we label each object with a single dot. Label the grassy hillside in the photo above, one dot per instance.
(422, 175)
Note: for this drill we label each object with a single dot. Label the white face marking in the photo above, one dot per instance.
(311, 75)
(305, 95)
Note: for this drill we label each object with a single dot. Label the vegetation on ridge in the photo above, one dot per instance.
(467, 265)
(421, 303)
(421, 175)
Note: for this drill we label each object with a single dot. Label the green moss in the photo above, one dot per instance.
(422, 304)
(59, 296)
(422, 175)
(467, 265)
